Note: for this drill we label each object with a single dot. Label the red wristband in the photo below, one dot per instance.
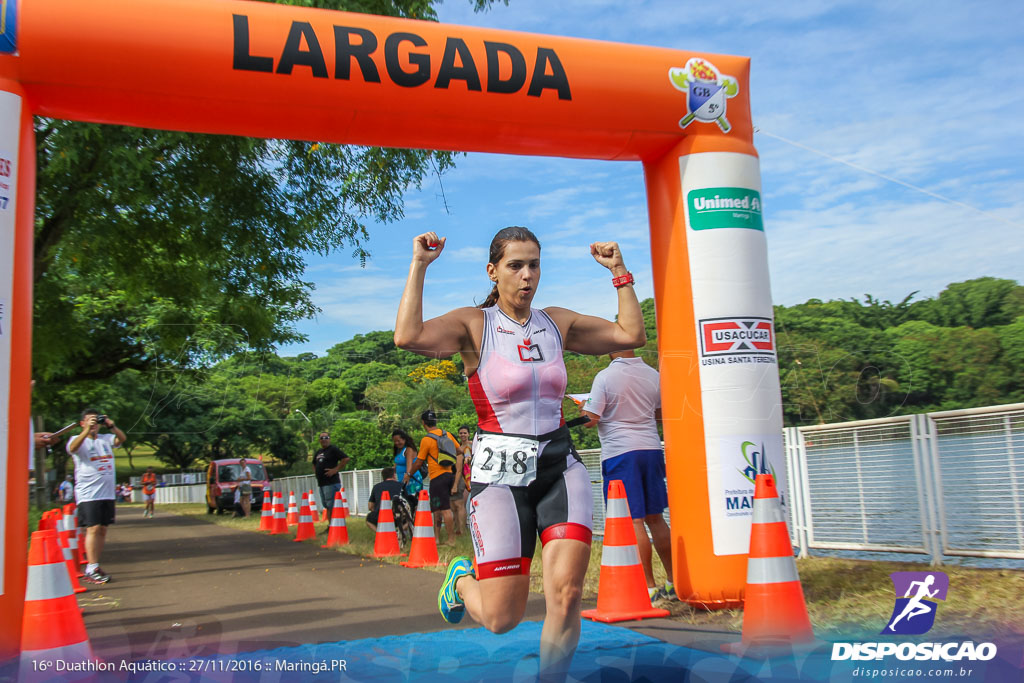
(623, 280)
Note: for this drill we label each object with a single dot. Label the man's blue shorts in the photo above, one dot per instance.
(643, 475)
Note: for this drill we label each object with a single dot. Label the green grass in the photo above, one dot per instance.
(844, 597)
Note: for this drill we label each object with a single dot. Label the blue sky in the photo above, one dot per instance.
(929, 94)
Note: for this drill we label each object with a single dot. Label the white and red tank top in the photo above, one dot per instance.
(519, 384)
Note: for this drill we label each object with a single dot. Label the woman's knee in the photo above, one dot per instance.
(501, 618)
(566, 598)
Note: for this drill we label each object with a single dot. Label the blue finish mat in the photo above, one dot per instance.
(606, 654)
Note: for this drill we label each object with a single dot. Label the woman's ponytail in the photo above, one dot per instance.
(491, 299)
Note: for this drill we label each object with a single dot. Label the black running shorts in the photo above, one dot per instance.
(441, 492)
(96, 513)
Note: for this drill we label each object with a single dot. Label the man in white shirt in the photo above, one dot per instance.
(625, 403)
(95, 485)
(67, 489)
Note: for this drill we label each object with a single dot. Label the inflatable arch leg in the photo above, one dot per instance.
(17, 203)
(719, 376)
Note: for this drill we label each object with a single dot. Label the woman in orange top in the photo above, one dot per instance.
(149, 490)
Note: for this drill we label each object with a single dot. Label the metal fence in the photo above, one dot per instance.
(175, 479)
(359, 483)
(937, 484)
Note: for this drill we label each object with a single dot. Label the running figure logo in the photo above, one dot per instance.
(914, 613)
(706, 92)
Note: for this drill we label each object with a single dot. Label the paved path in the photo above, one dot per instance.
(184, 587)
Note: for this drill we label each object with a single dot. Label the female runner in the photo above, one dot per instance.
(527, 479)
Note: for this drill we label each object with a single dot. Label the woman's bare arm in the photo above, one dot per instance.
(592, 335)
(439, 337)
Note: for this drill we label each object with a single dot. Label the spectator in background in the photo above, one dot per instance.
(149, 490)
(244, 487)
(459, 500)
(439, 450)
(405, 454)
(389, 484)
(66, 490)
(327, 462)
(625, 403)
(93, 455)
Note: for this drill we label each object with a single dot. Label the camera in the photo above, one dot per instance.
(101, 420)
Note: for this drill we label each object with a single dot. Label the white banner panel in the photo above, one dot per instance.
(10, 122)
(735, 337)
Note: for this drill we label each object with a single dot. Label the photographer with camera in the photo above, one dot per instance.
(93, 454)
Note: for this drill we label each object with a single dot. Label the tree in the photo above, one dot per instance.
(982, 302)
(156, 248)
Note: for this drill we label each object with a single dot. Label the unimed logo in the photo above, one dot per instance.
(726, 336)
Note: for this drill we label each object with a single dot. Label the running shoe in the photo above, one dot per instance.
(448, 601)
(96, 576)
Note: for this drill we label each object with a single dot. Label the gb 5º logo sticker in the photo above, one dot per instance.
(706, 91)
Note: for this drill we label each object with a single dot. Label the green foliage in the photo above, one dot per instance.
(847, 360)
(362, 439)
(158, 249)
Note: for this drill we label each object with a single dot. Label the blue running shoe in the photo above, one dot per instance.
(448, 601)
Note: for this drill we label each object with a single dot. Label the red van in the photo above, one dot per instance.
(222, 479)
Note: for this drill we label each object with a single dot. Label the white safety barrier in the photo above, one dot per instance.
(946, 483)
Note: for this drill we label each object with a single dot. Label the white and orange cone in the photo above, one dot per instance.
(385, 543)
(423, 550)
(337, 534)
(312, 505)
(52, 627)
(70, 537)
(344, 503)
(622, 589)
(69, 558)
(280, 522)
(305, 528)
(774, 611)
(267, 512)
(292, 517)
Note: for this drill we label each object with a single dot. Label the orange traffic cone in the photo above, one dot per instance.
(337, 533)
(622, 588)
(305, 529)
(82, 558)
(71, 527)
(774, 611)
(344, 503)
(65, 549)
(293, 510)
(423, 550)
(267, 512)
(46, 521)
(280, 523)
(52, 628)
(312, 505)
(69, 537)
(385, 543)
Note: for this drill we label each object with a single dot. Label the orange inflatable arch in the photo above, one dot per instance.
(258, 69)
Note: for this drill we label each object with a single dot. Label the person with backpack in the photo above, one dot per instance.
(443, 457)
